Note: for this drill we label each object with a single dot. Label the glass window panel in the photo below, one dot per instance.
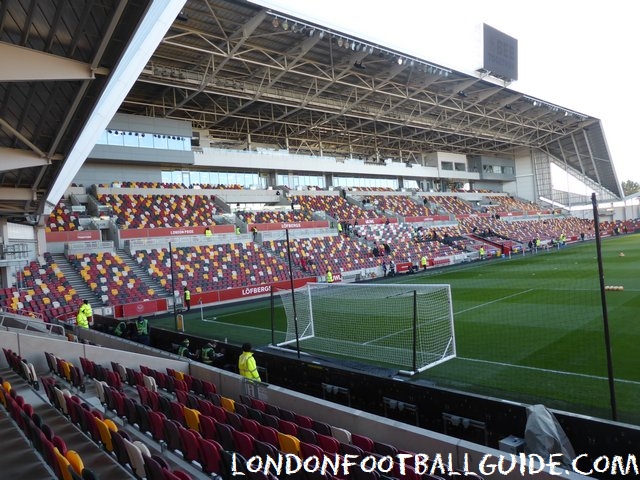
(145, 140)
(130, 140)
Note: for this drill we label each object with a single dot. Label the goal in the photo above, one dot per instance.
(409, 327)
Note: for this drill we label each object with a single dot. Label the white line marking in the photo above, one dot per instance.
(547, 370)
(493, 301)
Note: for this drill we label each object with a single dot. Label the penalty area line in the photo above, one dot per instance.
(548, 370)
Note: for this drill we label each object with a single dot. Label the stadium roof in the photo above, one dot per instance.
(240, 70)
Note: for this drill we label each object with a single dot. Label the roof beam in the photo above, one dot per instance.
(16, 194)
(30, 65)
(14, 158)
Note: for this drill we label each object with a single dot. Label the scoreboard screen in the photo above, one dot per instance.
(500, 53)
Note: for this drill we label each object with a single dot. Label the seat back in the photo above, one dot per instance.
(190, 445)
(172, 434)
(136, 460)
(209, 455)
(119, 448)
(105, 434)
(243, 443)
(62, 465)
(192, 418)
(225, 435)
(75, 461)
(328, 444)
(289, 443)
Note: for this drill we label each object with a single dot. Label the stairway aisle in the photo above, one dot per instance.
(142, 274)
(93, 457)
(19, 460)
(76, 281)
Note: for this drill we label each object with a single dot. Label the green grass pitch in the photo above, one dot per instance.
(527, 329)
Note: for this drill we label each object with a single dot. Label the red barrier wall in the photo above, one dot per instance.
(172, 231)
(370, 221)
(261, 227)
(161, 305)
(72, 236)
(141, 308)
(433, 218)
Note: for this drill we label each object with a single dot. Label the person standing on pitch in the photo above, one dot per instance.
(329, 276)
(247, 364)
(187, 298)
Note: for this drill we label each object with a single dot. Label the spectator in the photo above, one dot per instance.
(247, 364)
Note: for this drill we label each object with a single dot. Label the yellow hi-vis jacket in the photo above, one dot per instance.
(247, 366)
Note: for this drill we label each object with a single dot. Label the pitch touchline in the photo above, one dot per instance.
(584, 375)
(399, 332)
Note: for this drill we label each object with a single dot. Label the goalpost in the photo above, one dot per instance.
(405, 326)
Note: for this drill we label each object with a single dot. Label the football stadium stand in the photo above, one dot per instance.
(162, 146)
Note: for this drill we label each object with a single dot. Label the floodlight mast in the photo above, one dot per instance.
(605, 315)
(295, 313)
(173, 288)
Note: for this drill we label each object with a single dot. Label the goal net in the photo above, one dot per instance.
(409, 327)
